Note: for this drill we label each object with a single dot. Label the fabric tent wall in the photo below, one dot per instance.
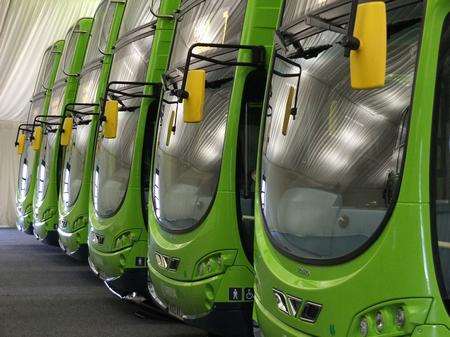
(9, 165)
(27, 28)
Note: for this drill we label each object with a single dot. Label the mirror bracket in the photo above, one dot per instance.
(258, 58)
(24, 128)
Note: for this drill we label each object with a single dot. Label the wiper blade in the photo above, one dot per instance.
(310, 52)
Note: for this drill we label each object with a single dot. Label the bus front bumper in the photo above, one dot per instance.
(24, 222)
(46, 232)
(269, 326)
(112, 268)
(73, 244)
(194, 302)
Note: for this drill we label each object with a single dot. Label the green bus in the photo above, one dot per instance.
(28, 164)
(201, 212)
(82, 115)
(117, 209)
(351, 230)
(47, 132)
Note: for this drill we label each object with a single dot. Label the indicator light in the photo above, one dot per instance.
(364, 327)
(400, 317)
(379, 322)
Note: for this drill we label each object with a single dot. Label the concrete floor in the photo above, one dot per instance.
(44, 293)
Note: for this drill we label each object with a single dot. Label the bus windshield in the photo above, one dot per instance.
(28, 157)
(75, 152)
(114, 157)
(188, 156)
(48, 143)
(328, 181)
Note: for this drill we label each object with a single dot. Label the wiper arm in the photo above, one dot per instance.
(310, 52)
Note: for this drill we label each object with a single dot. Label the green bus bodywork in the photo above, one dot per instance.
(117, 213)
(28, 163)
(351, 231)
(201, 212)
(77, 156)
(45, 202)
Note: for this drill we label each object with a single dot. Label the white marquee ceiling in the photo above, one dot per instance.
(27, 28)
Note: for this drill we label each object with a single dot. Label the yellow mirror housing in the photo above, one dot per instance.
(111, 116)
(287, 111)
(66, 131)
(21, 143)
(368, 63)
(193, 106)
(37, 138)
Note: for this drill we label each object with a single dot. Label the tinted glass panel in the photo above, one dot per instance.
(45, 70)
(328, 183)
(68, 53)
(100, 30)
(137, 13)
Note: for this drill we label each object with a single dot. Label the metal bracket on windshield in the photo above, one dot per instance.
(42, 120)
(257, 61)
(25, 128)
(129, 90)
(349, 42)
(71, 109)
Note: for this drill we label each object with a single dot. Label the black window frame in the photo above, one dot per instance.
(433, 168)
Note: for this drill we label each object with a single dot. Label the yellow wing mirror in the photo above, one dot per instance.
(111, 119)
(37, 138)
(288, 111)
(21, 143)
(193, 106)
(368, 62)
(66, 131)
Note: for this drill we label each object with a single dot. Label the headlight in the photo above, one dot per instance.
(126, 239)
(379, 322)
(364, 327)
(400, 317)
(214, 264)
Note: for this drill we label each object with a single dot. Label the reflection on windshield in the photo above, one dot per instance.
(327, 183)
(75, 152)
(114, 157)
(137, 13)
(101, 28)
(188, 157)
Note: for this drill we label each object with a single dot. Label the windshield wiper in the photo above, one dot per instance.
(308, 53)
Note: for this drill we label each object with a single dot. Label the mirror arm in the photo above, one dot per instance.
(349, 42)
(258, 60)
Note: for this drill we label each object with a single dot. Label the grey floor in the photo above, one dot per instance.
(44, 293)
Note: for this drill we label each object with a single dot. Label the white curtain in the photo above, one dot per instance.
(27, 28)
(9, 165)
